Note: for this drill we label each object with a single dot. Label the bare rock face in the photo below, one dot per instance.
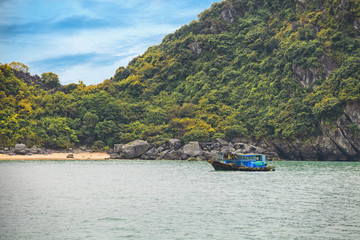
(352, 112)
(356, 24)
(337, 137)
(339, 142)
(344, 140)
(327, 149)
(195, 47)
(306, 76)
(117, 147)
(229, 13)
(349, 127)
(328, 64)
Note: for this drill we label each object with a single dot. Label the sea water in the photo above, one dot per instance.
(177, 200)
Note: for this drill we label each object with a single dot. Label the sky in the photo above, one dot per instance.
(87, 40)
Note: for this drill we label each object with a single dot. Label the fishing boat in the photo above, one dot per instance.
(246, 162)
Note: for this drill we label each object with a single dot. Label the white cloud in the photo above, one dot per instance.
(90, 74)
(100, 41)
(133, 27)
(123, 43)
(73, 8)
(105, 40)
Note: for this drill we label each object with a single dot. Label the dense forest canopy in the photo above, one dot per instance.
(259, 68)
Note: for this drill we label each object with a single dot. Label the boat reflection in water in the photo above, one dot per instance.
(233, 162)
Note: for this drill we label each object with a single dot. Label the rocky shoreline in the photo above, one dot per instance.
(322, 148)
(174, 149)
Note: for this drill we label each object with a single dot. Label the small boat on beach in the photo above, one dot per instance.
(246, 162)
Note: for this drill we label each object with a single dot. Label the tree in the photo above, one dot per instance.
(19, 67)
(105, 128)
(56, 132)
(87, 129)
(50, 80)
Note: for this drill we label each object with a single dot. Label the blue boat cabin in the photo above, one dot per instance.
(249, 160)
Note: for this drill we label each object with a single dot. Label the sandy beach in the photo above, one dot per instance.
(57, 156)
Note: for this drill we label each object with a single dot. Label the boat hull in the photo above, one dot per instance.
(220, 166)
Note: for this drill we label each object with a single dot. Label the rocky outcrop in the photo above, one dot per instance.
(328, 65)
(228, 13)
(306, 76)
(337, 142)
(195, 47)
(131, 150)
(346, 134)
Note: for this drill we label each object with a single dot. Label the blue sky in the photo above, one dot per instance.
(87, 39)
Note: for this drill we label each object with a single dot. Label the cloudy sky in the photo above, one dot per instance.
(87, 39)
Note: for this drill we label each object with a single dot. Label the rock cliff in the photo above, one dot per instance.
(338, 141)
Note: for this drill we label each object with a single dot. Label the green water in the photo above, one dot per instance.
(177, 200)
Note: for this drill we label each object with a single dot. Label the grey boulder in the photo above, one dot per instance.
(20, 149)
(193, 149)
(133, 150)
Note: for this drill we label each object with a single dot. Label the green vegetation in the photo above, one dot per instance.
(243, 82)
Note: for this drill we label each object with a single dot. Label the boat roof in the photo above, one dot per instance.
(248, 154)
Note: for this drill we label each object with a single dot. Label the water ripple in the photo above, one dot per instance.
(177, 200)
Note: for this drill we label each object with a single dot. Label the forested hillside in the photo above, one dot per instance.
(274, 69)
